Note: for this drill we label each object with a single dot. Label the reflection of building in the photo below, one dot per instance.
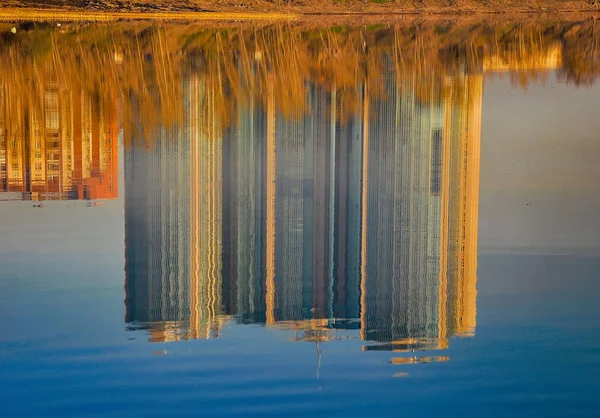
(310, 222)
(173, 228)
(65, 148)
(313, 221)
(358, 211)
(303, 210)
(375, 216)
(401, 281)
(347, 223)
(421, 208)
(243, 214)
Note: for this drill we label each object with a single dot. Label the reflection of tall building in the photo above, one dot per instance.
(375, 215)
(330, 218)
(422, 196)
(347, 223)
(243, 213)
(303, 210)
(63, 148)
(403, 216)
(173, 228)
(310, 222)
(462, 161)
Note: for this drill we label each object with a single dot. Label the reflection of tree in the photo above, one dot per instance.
(146, 63)
(581, 58)
(148, 77)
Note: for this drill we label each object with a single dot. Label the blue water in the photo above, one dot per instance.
(65, 351)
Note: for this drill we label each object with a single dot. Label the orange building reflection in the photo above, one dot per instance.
(65, 148)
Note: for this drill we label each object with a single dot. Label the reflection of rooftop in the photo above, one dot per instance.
(468, 332)
(409, 344)
(167, 332)
(423, 359)
(313, 330)
(170, 331)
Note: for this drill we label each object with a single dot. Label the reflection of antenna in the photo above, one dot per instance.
(318, 358)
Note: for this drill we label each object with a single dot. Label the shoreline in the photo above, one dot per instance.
(16, 14)
(38, 15)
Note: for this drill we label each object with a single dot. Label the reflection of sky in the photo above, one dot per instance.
(539, 167)
(58, 227)
(63, 346)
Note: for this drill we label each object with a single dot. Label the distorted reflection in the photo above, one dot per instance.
(65, 148)
(320, 220)
(309, 179)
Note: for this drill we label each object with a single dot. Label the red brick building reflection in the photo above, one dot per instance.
(63, 148)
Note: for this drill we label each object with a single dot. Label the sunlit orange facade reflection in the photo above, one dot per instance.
(66, 148)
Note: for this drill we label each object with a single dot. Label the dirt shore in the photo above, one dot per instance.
(266, 9)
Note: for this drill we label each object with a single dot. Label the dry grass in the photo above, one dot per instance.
(261, 9)
(22, 14)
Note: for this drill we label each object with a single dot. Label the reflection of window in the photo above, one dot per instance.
(435, 175)
(51, 106)
(52, 120)
(38, 166)
(15, 167)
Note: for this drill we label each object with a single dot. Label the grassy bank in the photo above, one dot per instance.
(243, 9)
(24, 14)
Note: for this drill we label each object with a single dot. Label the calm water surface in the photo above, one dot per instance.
(286, 219)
